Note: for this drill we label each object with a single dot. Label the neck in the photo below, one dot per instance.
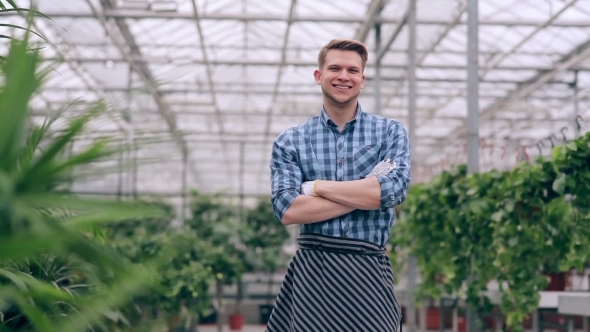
(340, 114)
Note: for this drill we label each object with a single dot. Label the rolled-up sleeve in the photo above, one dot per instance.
(285, 174)
(394, 186)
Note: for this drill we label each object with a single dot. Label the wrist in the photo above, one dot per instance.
(319, 187)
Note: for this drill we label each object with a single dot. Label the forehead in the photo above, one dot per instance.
(344, 58)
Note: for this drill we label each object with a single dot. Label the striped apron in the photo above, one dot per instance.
(336, 284)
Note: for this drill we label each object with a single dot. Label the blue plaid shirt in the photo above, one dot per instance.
(317, 150)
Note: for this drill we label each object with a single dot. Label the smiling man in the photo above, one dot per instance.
(339, 176)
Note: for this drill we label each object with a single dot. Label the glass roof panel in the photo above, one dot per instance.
(522, 43)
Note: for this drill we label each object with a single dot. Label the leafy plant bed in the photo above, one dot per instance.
(515, 227)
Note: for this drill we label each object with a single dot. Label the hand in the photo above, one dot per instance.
(382, 168)
(307, 188)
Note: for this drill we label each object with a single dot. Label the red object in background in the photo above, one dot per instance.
(557, 282)
(461, 324)
(236, 322)
(432, 318)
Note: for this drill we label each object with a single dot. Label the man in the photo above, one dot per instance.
(339, 175)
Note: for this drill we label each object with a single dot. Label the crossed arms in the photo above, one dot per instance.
(336, 198)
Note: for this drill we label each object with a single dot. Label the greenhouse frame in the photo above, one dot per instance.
(211, 83)
(201, 88)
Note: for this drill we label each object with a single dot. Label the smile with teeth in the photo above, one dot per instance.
(342, 87)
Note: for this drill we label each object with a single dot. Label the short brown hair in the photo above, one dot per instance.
(343, 44)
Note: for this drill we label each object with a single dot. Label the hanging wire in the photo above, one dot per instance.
(501, 157)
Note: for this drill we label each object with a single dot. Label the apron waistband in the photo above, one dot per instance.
(312, 241)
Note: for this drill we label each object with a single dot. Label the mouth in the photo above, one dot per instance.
(340, 87)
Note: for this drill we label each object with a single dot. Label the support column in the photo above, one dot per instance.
(412, 265)
(472, 114)
(423, 318)
(577, 102)
(241, 182)
(456, 318)
(129, 158)
(184, 185)
(377, 80)
(472, 89)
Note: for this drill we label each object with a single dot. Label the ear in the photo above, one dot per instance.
(317, 75)
(363, 81)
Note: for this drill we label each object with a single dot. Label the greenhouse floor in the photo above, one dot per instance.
(260, 328)
(246, 328)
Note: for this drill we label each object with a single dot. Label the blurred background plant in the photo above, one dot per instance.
(264, 247)
(515, 228)
(77, 263)
(54, 276)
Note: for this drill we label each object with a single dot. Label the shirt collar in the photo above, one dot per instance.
(328, 122)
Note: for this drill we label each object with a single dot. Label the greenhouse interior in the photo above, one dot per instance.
(154, 122)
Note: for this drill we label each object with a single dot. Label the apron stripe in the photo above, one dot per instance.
(336, 284)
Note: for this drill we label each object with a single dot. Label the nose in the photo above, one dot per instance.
(343, 75)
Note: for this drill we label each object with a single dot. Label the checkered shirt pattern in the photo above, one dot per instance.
(317, 150)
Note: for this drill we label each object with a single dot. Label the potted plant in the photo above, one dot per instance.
(184, 281)
(270, 262)
(218, 229)
(267, 238)
(237, 318)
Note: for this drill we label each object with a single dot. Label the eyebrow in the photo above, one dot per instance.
(350, 67)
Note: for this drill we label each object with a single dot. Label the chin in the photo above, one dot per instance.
(340, 100)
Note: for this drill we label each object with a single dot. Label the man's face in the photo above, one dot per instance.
(341, 77)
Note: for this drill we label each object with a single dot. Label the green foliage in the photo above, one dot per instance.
(266, 238)
(183, 279)
(54, 276)
(69, 263)
(513, 227)
(218, 229)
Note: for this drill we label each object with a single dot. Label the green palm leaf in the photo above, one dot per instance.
(36, 219)
(10, 2)
(21, 82)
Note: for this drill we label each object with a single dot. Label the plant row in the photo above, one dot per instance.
(511, 227)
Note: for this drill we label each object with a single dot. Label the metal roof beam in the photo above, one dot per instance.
(131, 52)
(197, 20)
(133, 57)
(497, 60)
(450, 26)
(367, 93)
(87, 79)
(369, 22)
(143, 14)
(503, 55)
(385, 49)
(314, 49)
(275, 93)
(569, 62)
(295, 63)
(296, 114)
